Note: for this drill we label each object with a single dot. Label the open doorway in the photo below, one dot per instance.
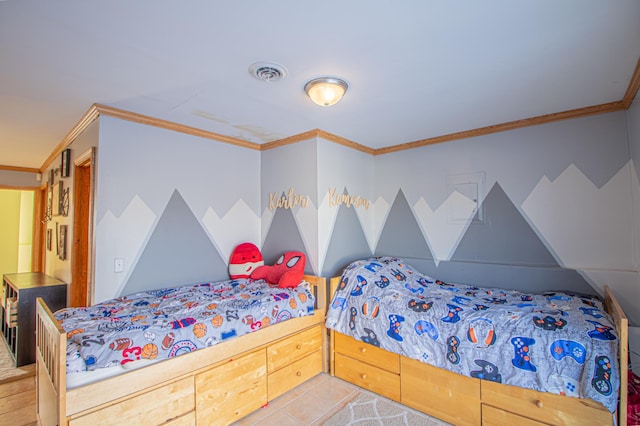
(16, 230)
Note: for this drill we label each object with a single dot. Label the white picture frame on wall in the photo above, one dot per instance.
(57, 199)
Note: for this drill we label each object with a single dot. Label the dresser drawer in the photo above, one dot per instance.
(367, 376)
(292, 348)
(155, 407)
(494, 416)
(226, 393)
(294, 374)
(188, 419)
(434, 391)
(544, 407)
(368, 353)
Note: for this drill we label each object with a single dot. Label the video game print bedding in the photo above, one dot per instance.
(161, 324)
(550, 342)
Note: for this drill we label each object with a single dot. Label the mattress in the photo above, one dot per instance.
(551, 342)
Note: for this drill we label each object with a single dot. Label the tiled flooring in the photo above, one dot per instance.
(311, 403)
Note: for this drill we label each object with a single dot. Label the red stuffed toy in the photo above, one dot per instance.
(287, 271)
(244, 260)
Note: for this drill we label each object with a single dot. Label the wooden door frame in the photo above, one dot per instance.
(82, 257)
(40, 219)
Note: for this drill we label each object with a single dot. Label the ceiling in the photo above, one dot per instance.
(416, 69)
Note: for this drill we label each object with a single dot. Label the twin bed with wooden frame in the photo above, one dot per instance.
(214, 385)
(258, 367)
(447, 395)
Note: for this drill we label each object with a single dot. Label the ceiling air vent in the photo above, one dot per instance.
(268, 71)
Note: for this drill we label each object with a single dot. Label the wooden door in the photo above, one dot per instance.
(40, 220)
(79, 290)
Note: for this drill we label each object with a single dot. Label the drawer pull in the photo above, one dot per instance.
(299, 373)
(539, 404)
(363, 376)
(363, 350)
(298, 346)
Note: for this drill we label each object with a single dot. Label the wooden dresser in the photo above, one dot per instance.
(19, 293)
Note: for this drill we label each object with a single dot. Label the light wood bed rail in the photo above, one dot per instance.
(612, 307)
(50, 365)
(622, 326)
(57, 405)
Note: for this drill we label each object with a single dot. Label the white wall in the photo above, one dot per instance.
(569, 181)
(290, 171)
(139, 169)
(633, 125)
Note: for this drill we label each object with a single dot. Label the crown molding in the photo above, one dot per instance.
(19, 169)
(170, 125)
(346, 142)
(80, 127)
(290, 140)
(527, 122)
(316, 133)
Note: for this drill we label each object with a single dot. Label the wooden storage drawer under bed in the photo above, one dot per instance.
(367, 366)
(226, 393)
(496, 416)
(434, 390)
(294, 374)
(294, 360)
(367, 376)
(295, 347)
(546, 408)
(367, 353)
(157, 406)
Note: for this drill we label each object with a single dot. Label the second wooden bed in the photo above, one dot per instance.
(464, 400)
(215, 385)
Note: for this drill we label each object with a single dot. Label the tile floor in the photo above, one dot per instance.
(311, 403)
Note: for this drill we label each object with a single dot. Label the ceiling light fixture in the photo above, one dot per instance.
(326, 91)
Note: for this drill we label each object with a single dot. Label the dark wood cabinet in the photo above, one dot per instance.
(19, 294)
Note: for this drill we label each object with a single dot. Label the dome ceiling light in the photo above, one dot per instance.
(326, 91)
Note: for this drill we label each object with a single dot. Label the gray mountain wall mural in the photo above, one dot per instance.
(401, 235)
(348, 242)
(178, 251)
(283, 236)
(501, 251)
(503, 237)
(504, 251)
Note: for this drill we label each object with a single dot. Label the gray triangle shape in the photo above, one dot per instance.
(504, 236)
(178, 252)
(348, 242)
(283, 236)
(401, 235)
(505, 252)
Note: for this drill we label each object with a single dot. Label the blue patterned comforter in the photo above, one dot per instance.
(551, 342)
(161, 324)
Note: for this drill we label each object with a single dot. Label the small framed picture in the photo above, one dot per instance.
(49, 238)
(57, 198)
(62, 242)
(65, 167)
(57, 239)
(50, 201)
